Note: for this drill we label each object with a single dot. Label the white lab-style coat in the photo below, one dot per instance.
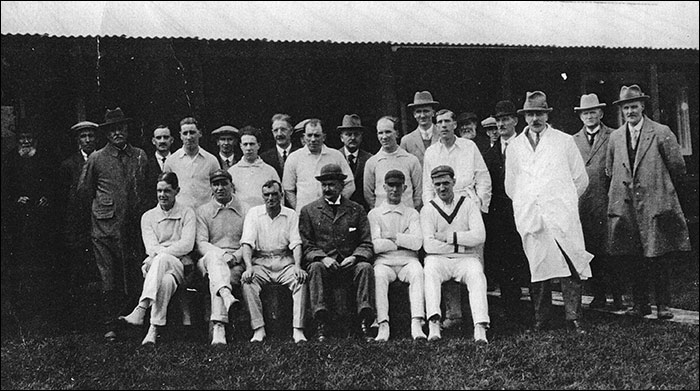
(545, 185)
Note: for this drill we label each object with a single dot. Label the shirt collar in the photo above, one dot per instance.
(114, 151)
(160, 157)
(234, 205)
(348, 153)
(175, 213)
(284, 211)
(386, 208)
(244, 163)
(324, 150)
(181, 152)
(224, 158)
(427, 134)
(85, 155)
(281, 151)
(639, 125)
(594, 131)
(336, 202)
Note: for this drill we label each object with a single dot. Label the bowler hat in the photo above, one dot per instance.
(351, 122)
(219, 174)
(394, 176)
(113, 117)
(588, 102)
(442, 170)
(504, 108)
(331, 171)
(423, 98)
(225, 129)
(535, 101)
(489, 122)
(83, 125)
(464, 118)
(628, 94)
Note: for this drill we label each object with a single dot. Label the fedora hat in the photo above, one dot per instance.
(331, 171)
(535, 101)
(351, 122)
(465, 118)
(628, 94)
(588, 102)
(503, 108)
(114, 117)
(225, 129)
(83, 125)
(423, 98)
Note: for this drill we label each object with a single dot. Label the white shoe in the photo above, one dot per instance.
(383, 333)
(151, 336)
(480, 333)
(218, 334)
(298, 335)
(135, 317)
(259, 335)
(434, 330)
(417, 329)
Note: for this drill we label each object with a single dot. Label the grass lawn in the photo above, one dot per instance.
(619, 352)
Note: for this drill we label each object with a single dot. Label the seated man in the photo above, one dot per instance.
(396, 236)
(219, 229)
(453, 231)
(168, 232)
(272, 254)
(337, 249)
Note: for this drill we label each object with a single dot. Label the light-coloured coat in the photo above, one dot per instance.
(545, 185)
(643, 200)
(593, 204)
(413, 143)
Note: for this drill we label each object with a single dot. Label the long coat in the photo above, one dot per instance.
(359, 173)
(338, 236)
(114, 180)
(76, 209)
(545, 185)
(413, 143)
(593, 203)
(644, 214)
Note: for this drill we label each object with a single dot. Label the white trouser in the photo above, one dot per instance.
(412, 273)
(467, 270)
(264, 276)
(164, 273)
(212, 263)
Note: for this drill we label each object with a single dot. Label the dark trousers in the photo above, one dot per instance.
(571, 288)
(360, 278)
(607, 277)
(645, 269)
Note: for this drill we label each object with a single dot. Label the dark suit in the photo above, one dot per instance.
(359, 173)
(273, 158)
(337, 235)
(222, 163)
(152, 172)
(503, 252)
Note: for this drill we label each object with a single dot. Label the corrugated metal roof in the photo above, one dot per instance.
(653, 25)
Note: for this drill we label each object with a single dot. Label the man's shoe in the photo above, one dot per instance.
(575, 325)
(321, 331)
(218, 334)
(366, 328)
(434, 330)
(618, 304)
(662, 312)
(597, 303)
(480, 333)
(639, 311)
(151, 336)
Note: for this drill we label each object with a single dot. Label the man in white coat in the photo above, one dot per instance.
(545, 176)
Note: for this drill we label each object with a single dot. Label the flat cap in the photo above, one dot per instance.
(442, 170)
(489, 122)
(219, 174)
(84, 125)
(226, 129)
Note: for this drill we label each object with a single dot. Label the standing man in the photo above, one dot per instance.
(272, 254)
(337, 248)
(491, 129)
(251, 172)
(396, 237)
(351, 132)
(114, 179)
(76, 219)
(193, 166)
(506, 263)
(426, 134)
(305, 164)
(219, 230)
(545, 176)
(592, 142)
(227, 139)
(282, 129)
(392, 157)
(453, 233)
(163, 140)
(645, 220)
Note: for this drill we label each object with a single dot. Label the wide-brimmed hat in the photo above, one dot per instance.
(628, 94)
(219, 174)
(351, 122)
(588, 102)
(83, 125)
(504, 108)
(114, 117)
(225, 129)
(489, 122)
(465, 118)
(394, 176)
(331, 171)
(423, 98)
(535, 101)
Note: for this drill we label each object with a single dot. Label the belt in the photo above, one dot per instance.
(270, 254)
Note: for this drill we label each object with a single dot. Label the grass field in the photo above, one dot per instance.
(45, 352)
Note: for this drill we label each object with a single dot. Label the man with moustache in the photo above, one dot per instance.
(646, 224)
(162, 140)
(351, 132)
(545, 176)
(282, 129)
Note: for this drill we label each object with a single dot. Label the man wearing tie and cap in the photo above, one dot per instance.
(592, 142)
(351, 132)
(645, 220)
(227, 140)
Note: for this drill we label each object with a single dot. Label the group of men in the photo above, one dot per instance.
(523, 208)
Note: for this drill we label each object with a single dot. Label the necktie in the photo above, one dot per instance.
(591, 138)
(228, 163)
(351, 159)
(635, 136)
(505, 146)
(162, 160)
(284, 157)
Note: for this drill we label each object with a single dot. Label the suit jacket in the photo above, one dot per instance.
(359, 173)
(152, 172)
(339, 235)
(272, 158)
(593, 203)
(643, 199)
(222, 163)
(413, 143)
(76, 210)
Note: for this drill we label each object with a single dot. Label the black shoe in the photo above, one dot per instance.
(618, 304)
(575, 325)
(597, 303)
(663, 312)
(321, 331)
(366, 329)
(639, 311)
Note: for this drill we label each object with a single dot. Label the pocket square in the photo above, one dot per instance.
(352, 229)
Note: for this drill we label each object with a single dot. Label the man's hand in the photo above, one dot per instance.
(348, 262)
(247, 276)
(443, 236)
(300, 274)
(330, 263)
